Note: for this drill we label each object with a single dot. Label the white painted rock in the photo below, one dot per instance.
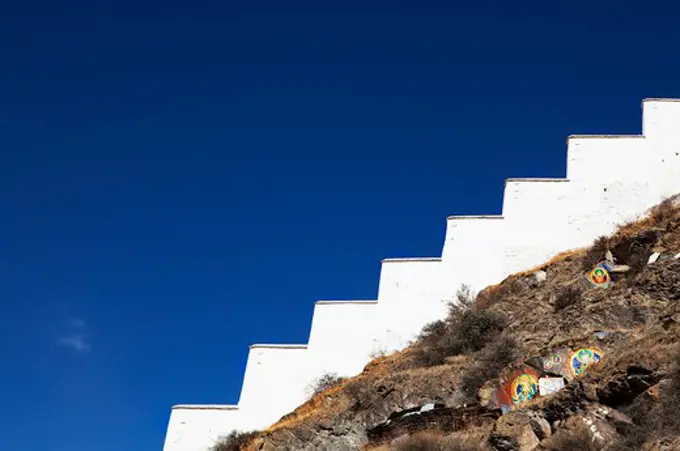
(609, 257)
(540, 276)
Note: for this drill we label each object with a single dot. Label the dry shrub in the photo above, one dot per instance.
(434, 441)
(595, 253)
(465, 330)
(566, 296)
(571, 440)
(361, 393)
(234, 441)
(488, 364)
(634, 250)
(665, 212)
(323, 383)
(498, 293)
(633, 242)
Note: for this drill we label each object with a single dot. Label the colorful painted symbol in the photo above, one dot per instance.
(582, 359)
(524, 388)
(552, 361)
(599, 277)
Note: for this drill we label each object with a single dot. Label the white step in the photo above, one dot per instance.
(610, 179)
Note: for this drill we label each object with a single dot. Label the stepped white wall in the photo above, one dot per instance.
(610, 180)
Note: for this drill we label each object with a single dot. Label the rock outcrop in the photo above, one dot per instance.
(613, 346)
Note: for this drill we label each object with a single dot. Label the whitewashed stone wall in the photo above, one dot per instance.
(610, 180)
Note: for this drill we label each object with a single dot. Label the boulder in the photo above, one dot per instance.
(517, 427)
(540, 276)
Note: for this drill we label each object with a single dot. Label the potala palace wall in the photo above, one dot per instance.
(610, 179)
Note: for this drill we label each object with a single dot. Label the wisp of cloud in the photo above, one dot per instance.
(76, 342)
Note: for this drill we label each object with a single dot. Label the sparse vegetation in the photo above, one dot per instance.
(234, 441)
(434, 441)
(665, 212)
(635, 250)
(323, 383)
(495, 294)
(466, 329)
(566, 296)
(360, 392)
(378, 353)
(631, 400)
(595, 253)
(488, 364)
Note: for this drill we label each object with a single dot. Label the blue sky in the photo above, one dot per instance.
(179, 180)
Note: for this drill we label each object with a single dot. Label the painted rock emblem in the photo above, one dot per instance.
(599, 277)
(524, 388)
(551, 362)
(582, 359)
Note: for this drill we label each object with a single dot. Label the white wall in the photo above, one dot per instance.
(198, 427)
(273, 384)
(410, 291)
(341, 339)
(534, 212)
(610, 180)
(473, 251)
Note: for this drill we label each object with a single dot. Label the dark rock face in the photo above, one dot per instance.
(445, 419)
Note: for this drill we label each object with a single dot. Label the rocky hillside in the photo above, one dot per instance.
(578, 354)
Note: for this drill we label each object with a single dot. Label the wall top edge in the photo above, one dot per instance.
(412, 259)
(537, 179)
(205, 407)
(462, 217)
(660, 99)
(605, 137)
(328, 302)
(276, 346)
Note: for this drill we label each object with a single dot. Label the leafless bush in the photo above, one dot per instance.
(635, 250)
(665, 212)
(361, 393)
(595, 253)
(466, 329)
(493, 295)
(488, 365)
(234, 441)
(323, 383)
(566, 296)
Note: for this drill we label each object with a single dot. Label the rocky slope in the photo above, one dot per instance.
(545, 360)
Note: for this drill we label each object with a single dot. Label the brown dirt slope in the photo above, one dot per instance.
(628, 400)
